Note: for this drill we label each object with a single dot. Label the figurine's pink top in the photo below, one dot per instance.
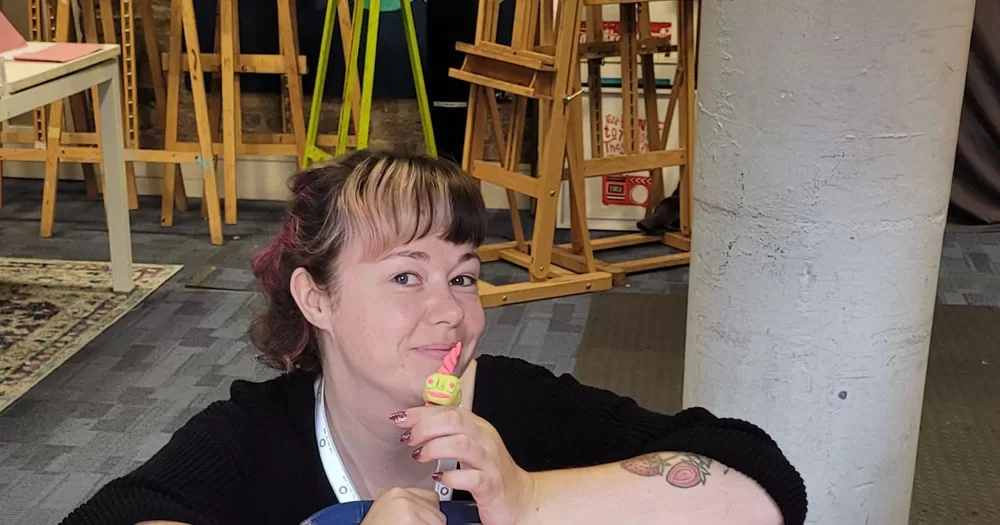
(451, 360)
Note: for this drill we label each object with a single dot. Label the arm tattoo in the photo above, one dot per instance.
(680, 469)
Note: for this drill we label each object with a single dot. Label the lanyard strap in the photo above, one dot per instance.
(333, 465)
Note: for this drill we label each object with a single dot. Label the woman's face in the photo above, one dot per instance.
(396, 317)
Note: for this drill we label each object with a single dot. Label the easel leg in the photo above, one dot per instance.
(368, 82)
(214, 93)
(346, 40)
(290, 50)
(579, 227)
(512, 162)
(90, 36)
(319, 84)
(687, 108)
(211, 193)
(630, 80)
(130, 96)
(110, 37)
(350, 81)
(554, 152)
(227, 37)
(153, 52)
(418, 79)
(36, 24)
(475, 127)
(172, 179)
(81, 116)
(656, 192)
(53, 137)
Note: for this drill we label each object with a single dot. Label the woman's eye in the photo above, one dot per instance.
(464, 280)
(405, 279)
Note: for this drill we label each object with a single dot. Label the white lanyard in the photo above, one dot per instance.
(333, 465)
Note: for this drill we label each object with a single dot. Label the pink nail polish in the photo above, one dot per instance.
(398, 417)
(416, 453)
(437, 476)
(405, 438)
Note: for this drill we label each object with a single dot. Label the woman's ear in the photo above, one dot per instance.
(312, 299)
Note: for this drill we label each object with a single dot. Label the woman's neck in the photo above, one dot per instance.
(367, 440)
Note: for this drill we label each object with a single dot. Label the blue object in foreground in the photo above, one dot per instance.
(456, 512)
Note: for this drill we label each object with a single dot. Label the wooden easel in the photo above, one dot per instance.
(84, 147)
(636, 42)
(42, 27)
(550, 74)
(228, 63)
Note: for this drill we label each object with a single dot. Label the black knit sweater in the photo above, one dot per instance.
(254, 459)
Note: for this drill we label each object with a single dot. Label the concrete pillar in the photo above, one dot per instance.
(826, 138)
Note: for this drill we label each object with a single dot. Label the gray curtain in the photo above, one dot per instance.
(975, 192)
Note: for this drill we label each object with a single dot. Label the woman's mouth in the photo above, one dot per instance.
(436, 351)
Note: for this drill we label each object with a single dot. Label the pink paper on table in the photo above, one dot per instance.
(59, 52)
(9, 37)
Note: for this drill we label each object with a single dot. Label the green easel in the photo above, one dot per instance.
(313, 153)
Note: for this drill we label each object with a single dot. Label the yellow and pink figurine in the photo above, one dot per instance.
(444, 388)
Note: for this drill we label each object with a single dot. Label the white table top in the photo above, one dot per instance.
(22, 75)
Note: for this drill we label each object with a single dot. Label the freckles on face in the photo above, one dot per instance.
(393, 313)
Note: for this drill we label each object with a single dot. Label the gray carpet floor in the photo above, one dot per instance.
(116, 402)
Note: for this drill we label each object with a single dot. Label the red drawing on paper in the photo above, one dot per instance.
(612, 31)
(624, 189)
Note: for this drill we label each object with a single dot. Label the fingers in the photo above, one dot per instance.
(471, 453)
(473, 481)
(428, 423)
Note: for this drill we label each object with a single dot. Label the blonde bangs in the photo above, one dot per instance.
(388, 202)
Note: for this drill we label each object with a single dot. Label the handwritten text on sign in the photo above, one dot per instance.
(625, 189)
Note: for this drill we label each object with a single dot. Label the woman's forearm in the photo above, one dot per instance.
(666, 487)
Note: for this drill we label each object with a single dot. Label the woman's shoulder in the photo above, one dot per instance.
(286, 399)
(293, 388)
(499, 366)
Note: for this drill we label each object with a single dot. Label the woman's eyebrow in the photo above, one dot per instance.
(423, 256)
(411, 254)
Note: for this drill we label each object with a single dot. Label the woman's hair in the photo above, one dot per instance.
(379, 199)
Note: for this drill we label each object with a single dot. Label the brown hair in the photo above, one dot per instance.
(380, 199)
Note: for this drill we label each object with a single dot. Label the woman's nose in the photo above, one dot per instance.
(445, 307)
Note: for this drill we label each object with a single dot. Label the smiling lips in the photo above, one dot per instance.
(447, 347)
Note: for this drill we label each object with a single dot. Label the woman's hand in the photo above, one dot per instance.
(502, 490)
(405, 507)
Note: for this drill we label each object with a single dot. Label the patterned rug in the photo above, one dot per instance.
(50, 309)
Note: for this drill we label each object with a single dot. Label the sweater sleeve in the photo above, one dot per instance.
(553, 422)
(193, 479)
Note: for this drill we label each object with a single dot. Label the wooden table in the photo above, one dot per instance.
(26, 86)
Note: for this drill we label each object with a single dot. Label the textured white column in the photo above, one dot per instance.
(826, 138)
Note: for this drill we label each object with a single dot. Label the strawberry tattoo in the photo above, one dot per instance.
(647, 466)
(683, 471)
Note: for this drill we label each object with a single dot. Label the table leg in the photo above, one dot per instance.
(112, 144)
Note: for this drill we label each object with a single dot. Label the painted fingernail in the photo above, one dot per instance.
(405, 438)
(416, 453)
(437, 476)
(398, 417)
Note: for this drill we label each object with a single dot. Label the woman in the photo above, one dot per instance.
(369, 284)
